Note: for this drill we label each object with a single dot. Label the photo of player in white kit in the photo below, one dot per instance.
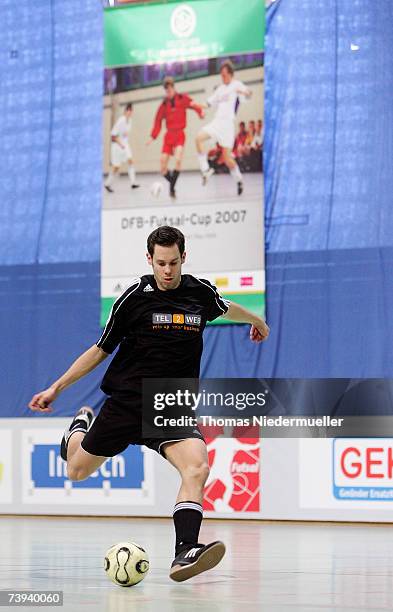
(120, 149)
(226, 100)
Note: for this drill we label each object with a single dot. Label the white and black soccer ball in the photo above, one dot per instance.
(126, 563)
(156, 189)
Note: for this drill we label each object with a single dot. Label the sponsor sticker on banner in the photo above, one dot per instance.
(221, 281)
(5, 466)
(124, 479)
(234, 480)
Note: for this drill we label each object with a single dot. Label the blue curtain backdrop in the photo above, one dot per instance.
(329, 186)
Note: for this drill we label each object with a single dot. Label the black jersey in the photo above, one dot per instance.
(159, 332)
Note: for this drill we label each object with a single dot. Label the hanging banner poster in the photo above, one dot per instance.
(183, 142)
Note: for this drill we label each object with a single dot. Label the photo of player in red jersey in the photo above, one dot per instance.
(173, 110)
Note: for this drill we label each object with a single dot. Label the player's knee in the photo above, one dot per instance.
(197, 473)
(76, 473)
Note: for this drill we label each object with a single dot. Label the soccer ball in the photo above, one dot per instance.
(156, 189)
(126, 563)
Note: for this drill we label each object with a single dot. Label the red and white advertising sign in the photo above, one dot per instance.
(234, 481)
(354, 473)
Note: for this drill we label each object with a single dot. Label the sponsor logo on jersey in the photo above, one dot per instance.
(162, 318)
(363, 469)
(148, 288)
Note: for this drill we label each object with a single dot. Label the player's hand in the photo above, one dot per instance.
(149, 142)
(259, 332)
(202, 114)
(41, 402)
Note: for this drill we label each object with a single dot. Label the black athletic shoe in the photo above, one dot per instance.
(172, 192)
(135, 186)
(239, 188)
(82, 421)
(195, 560)
(109, 188)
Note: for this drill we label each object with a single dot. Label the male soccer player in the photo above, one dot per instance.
(173, 109)
(121, 150)
(151, 349)
(226, 99)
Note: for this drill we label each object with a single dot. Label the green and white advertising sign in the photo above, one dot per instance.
(141, 34)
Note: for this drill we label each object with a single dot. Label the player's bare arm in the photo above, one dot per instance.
(85, 363)
(259, 329)
(199, 108)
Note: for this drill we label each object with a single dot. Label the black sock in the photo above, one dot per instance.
(175, 176)
(168, 176)
(187, 517)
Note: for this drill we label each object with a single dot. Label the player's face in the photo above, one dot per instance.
(128, 113)
(169, 91)
(166, 263)
(226, 76)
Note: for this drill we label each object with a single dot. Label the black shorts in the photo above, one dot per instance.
(118, 424)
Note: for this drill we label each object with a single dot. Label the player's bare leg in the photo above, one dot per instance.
(111, 176)
(233, 169)
(206, 171)
(189, 457)
(132, 174)
(176, 172)
(80, 463)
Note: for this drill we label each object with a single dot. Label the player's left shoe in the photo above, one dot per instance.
(195, 560)
(81, 422)
(135, 186)
(172, 192)
(109, 189)
(240, 188)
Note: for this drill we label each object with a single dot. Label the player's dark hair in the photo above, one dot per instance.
(165, 236)
(129, 106)
(228, 65)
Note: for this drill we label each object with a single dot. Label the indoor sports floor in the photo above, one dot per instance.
(268, 566)
(221, 188)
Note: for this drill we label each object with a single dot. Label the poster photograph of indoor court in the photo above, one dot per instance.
(196, 258)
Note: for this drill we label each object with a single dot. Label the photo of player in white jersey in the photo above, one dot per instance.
(221, 129)
(120, 150)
